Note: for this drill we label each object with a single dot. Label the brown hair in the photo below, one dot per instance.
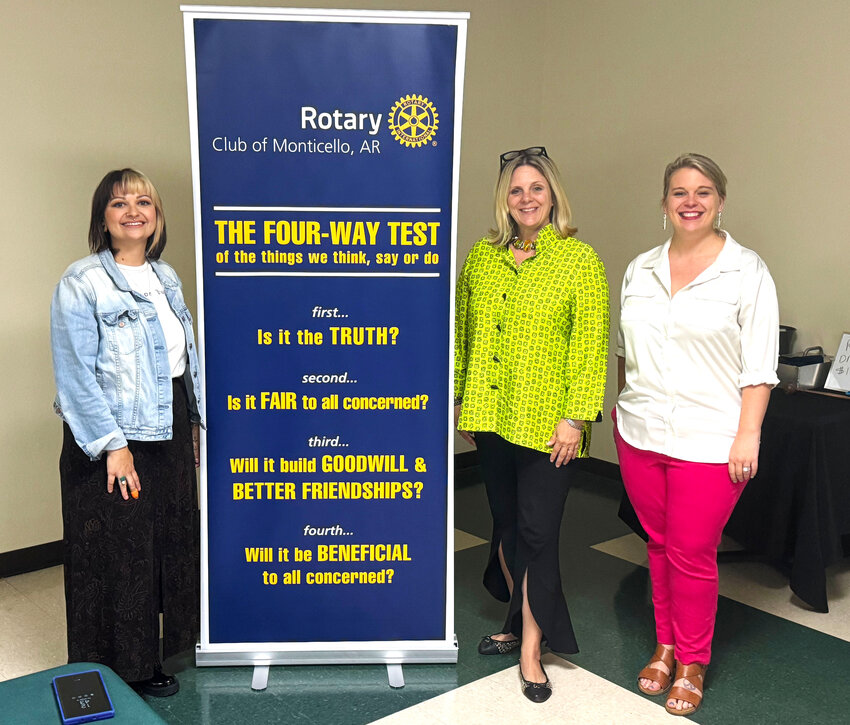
(125, 181)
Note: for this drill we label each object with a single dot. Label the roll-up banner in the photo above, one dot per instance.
(325, 157)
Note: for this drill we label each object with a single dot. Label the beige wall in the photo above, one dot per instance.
(760, 87)
(613, 88)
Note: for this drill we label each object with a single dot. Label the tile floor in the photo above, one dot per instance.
(774, 661)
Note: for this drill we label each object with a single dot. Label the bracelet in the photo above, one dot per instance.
(574, 424)
(458, 401)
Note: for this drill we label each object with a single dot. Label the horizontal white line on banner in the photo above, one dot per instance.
(327, 274)
(347, 209)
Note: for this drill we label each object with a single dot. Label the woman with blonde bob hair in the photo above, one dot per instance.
(127, 181)
(128, 392)
(531, 347)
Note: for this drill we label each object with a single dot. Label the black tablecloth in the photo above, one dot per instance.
(796, 512)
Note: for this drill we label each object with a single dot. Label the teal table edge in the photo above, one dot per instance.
(30, 699)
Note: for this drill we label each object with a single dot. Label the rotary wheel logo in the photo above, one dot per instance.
(413, 121)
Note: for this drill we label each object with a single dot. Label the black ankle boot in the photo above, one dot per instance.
(160, 685)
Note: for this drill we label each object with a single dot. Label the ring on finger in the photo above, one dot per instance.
(122, 481)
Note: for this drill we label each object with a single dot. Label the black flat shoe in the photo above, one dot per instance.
(536, 691)
(160, 685)
(490, 646)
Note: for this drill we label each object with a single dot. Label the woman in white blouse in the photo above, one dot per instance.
(697, 353)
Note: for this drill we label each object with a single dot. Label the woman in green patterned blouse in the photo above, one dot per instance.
(531, 349)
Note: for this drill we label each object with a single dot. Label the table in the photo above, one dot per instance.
(796, 512)
(30, 699)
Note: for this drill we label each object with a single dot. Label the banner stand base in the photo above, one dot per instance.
(395, 674)
(261, 657)
(260, 680)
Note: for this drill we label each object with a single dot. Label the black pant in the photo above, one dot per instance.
(527, 494)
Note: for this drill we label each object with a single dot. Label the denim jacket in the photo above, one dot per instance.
(109, 356)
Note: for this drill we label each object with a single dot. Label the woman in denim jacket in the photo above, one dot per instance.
(128, 391)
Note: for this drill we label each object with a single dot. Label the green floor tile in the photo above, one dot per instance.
(764, 670)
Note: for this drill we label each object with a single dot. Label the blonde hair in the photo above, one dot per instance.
(125, 181)
(703, 164)
(560, 216)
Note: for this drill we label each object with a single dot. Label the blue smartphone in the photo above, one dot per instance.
(82, 697)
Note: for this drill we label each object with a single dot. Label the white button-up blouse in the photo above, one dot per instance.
(688, 356)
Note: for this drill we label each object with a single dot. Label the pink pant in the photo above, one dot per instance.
(683, 507)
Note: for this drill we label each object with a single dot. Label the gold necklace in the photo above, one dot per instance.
(524, 245)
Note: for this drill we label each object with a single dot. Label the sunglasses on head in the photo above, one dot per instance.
(530, 151)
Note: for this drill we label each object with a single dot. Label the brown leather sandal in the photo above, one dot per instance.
(664, 656)
(694, 675)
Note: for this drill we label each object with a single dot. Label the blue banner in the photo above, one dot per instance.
(325, 153)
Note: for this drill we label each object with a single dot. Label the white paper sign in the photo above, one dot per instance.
(839, 373)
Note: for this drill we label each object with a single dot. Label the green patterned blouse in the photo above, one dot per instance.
(531, 341)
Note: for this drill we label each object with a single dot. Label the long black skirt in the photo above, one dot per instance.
(527, 493)
(127, 561)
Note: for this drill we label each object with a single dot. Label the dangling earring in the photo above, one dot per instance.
(664, 222)
(719, 218)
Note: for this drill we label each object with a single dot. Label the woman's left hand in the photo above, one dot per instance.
(744, 457)
(565, 442)
(120, 467)
(196, 443)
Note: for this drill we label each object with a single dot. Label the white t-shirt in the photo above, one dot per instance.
(687, 357)
(143, 279)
